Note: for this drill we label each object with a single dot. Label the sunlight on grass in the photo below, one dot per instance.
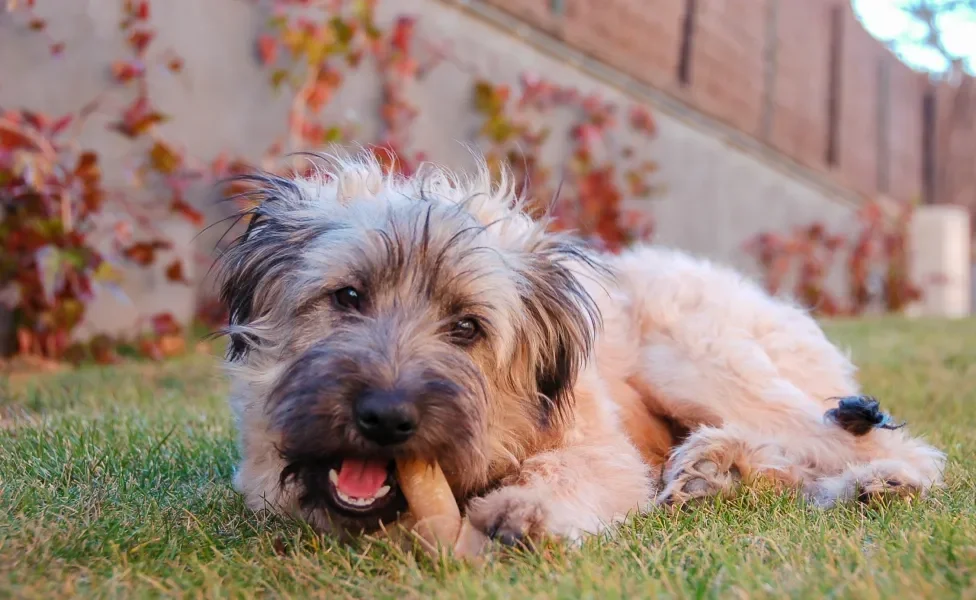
(115, 482)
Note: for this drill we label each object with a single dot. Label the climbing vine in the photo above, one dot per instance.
(875, 268)
(587, 189)
(54, 198)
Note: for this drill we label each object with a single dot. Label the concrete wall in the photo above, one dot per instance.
(721, 187)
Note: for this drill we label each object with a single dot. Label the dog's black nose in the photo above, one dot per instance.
(386, 417)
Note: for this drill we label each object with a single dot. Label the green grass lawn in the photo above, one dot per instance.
(116, 482)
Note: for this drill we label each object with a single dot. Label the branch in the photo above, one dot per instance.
(928, 12)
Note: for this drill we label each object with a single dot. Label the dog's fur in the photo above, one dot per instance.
(596, 386)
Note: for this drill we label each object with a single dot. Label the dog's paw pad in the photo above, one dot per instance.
(881, 490)
(706, 467)
(509, 516)
(507, 537)
(697, 487)
(702, 479)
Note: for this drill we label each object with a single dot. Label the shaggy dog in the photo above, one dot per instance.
(375, 317)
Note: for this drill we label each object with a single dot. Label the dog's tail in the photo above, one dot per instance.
(859, 415)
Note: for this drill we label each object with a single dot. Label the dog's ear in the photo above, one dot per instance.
(564, 319)
(251, 270)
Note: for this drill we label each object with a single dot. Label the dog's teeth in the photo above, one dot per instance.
(382, 491)
(360, 502)
(333, 476)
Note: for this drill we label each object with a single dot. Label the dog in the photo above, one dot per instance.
(375, 316)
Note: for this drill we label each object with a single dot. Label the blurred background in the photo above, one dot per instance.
(825, 148)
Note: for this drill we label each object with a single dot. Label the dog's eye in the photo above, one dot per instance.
(465, 330)
(349, 298)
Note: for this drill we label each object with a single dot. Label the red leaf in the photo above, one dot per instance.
(172, 345)
(125, 71)
(403, 34)
(140, 39)
(149, 348)
(642, 121)
(103, 350)
(164, 159)
(56, 48)
(165, 324)
(12, 138)
(138, 118)
(142, 11)
(38, 121)
(174, 272)
(319, 94)
(61, 124)
(87, 167)
(144, 253)
(267, 49)
(191, 214)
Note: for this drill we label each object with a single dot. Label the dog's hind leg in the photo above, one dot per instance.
(762, 423)
(747, 419)
(890, 463)
(880, 463)
(714, 461)
(759, 375)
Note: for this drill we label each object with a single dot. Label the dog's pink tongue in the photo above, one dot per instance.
(361, 478)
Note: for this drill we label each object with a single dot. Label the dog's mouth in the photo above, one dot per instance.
(362, 487)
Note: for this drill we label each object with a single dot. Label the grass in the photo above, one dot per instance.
(114, 482)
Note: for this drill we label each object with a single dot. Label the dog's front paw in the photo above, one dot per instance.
(511, 515)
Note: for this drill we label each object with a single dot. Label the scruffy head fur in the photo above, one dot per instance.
(356, 295)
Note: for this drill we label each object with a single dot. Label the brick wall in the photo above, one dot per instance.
(803, 76)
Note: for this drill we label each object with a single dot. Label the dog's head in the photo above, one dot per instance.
(377, 316)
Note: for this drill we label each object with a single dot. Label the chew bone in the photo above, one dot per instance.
(439, 523)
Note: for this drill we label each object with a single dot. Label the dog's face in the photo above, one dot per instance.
(379, 318)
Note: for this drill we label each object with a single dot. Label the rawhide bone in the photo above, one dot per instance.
(438, 519)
